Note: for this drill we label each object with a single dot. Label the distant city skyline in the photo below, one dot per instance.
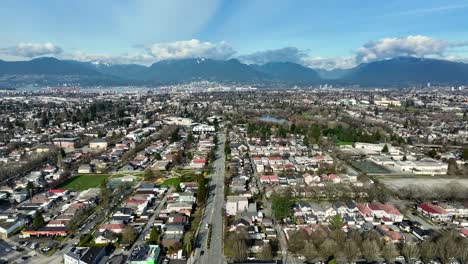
(317, 34)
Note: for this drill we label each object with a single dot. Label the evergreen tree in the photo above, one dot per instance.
(201, 191)
(105, 194)
(38, 220)
(336, 222)
(154, 236)
(385, 149)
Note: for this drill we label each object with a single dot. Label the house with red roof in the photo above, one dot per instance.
(387, 211)
(197, 163)
(389, 235)
(116, 228)
(433, 211)
(265, 179)
(464, 232)
(365, 212)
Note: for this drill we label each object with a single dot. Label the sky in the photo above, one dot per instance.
(318, 34)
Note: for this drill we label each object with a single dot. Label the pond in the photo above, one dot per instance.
(267, 118)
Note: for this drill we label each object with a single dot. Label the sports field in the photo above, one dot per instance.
(369, 167)
(83, 182)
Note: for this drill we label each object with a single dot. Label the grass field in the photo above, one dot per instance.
(175, 181)
(83, 182)
(171, 182)
(344, 143)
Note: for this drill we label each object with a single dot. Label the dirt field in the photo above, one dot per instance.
(430, 182)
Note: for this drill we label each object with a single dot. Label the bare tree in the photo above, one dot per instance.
(463, 255)
(428, 250)
(328, 248)
(237, 245)
(410, 252)
(389, 252)
(350, 251)
(266, 253)
(310, 252)
(297, 242)
(447, 247)
(370, 250)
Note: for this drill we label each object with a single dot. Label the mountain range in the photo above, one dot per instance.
(397, 72)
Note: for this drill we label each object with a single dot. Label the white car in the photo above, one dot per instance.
(206, 226)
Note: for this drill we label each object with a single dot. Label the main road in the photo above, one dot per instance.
(213, 215)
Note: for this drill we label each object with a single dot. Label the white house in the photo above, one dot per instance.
(236, 204)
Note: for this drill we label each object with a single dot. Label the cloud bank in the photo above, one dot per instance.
(287, 54)
(193, 48)
(386, 48)
(31, 50)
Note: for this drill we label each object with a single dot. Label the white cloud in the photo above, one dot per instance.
(287, 54)
(31, 50)
(386, 48)
(161, 51)
(329, 63)
(135, 58)
(190, 49)
(417, 45)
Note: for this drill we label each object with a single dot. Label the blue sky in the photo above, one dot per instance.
(324, 34)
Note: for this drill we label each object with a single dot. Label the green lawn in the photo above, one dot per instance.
(171, 182)
(344, 143)
(84, 182)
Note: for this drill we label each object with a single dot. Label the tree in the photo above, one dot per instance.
(315, 132)
(129, 235)
(38, 220)
(236, 245)
(447, 247)
(201, 191)
(30, 188)
(157, 156)
(297, 242)
(310, 252)
(154, 236)
(428, 251)
(410, 252)
(464, 154)
(350, 251)
(328, 248)
(227, 149)
(149, 174)
(175, 136)
(389, 252)
(432, 153)
(370, 250)
(336, 222)
(463, 255)
(281, 206)
(266, 253)
(188, 242)
(105, 194)
(338, 235)
(385, 149)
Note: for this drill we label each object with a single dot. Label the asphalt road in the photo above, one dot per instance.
(213, 214)
(141, 237)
